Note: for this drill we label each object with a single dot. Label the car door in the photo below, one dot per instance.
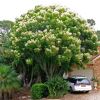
(71, 83)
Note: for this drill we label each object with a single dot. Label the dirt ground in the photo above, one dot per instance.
(92, 95)
(23, 94)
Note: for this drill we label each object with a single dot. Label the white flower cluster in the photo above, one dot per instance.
(56, 12)
(52, 51)
(27, 33)
(16, 53)
(59, 21)
(42, 11)
(64, 14)
(30, 42)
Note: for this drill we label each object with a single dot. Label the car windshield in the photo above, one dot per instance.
(83, 81)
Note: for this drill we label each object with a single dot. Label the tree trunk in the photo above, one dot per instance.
(30, 82)
(24, 77)
(8, 96)
(38, 78)
(3, 96)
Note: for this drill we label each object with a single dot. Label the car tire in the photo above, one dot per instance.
(86, 91)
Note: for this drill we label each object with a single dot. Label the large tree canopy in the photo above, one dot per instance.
(53, 39)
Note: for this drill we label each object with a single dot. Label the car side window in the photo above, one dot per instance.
(72, 80)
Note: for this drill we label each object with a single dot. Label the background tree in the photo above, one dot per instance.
(91, 22)
(51, 39)
(98, 34)
(5, 27)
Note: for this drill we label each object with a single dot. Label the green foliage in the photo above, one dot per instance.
(57, 87)
(98, 34)
(91, 22)
(29, 61)
(5, 27)
(8, 80)
(6, 24)
(95, 79)
(52, 37)
(39, 90)
(98, 43)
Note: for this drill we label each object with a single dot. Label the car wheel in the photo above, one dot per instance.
(86, 91)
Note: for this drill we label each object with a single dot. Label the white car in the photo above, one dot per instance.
(79, 83)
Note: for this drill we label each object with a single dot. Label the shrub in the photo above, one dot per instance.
(39, 90)
(57, 87)
(8, 81)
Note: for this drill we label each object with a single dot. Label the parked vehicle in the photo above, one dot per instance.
(79, 83)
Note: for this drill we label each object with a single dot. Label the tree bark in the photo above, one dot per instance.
(2, 96)
(38, 78)
(30, 82)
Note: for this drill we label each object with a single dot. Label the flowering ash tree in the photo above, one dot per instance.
(51, 39)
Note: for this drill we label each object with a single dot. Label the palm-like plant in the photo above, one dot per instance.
(8, 82)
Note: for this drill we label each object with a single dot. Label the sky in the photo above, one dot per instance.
(88, 9)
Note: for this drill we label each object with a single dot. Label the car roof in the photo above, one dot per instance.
(78, 77)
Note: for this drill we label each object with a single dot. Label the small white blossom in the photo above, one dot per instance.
(42, 11)
(56, 12)
(45, 30)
